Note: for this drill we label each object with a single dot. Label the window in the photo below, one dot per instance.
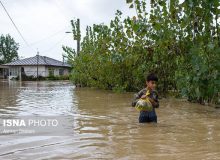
(61, 71)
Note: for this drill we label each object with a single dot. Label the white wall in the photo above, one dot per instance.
(32, 71)
(56, 71)
(66, 72)
(14, 71)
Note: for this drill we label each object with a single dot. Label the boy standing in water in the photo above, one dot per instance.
(148, 116)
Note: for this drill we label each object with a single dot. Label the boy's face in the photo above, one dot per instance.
(151, 84)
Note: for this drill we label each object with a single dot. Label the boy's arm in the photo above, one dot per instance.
(154, 99)
(137, 96)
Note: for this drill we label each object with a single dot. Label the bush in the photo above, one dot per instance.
(62, 77)
(178, 42)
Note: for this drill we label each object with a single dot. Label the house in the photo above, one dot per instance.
(37, 66)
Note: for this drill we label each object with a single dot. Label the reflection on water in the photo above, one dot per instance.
(105, 126)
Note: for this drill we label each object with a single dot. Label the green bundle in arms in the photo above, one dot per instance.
(144, 104)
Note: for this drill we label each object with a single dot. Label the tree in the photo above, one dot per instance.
(179, 41)
(8, 49)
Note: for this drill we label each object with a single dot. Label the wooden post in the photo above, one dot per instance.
(37, 63)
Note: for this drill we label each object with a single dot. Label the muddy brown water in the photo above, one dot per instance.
(105, 126)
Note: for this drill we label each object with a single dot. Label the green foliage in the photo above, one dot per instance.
(61, 77)
(75, 29)
(178, 41)
(8, 49)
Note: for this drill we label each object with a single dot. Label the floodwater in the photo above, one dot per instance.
(105, 126)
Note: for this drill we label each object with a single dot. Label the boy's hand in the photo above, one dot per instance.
(143, 96)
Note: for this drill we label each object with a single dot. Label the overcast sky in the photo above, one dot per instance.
(43, 23)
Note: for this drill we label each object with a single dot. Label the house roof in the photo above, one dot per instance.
(1, 66)
(37, 60)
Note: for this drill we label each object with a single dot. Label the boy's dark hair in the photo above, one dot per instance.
(151, 77)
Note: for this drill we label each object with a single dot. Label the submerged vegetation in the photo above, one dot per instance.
(180, 42)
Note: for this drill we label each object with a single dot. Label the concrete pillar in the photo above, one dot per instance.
(20, 77)
(9, 73)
